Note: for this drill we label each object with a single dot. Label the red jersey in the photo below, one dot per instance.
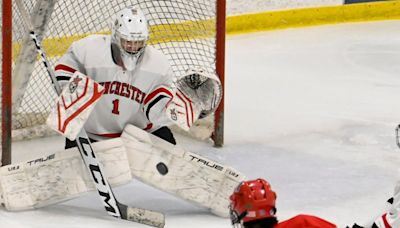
(305, 221)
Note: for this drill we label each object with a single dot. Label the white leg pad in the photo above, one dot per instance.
(182, 173)
(60, 176)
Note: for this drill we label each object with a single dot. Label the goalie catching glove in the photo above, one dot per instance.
(198, 94)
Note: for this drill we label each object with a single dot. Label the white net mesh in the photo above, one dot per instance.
(184, 30)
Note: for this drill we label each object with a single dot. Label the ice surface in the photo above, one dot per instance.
(312, 110)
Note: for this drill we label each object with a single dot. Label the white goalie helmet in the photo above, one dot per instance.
(129, 32)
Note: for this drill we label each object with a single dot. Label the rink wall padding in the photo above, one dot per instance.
(382, 10)
(361, 1)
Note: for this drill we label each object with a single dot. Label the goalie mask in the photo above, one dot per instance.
(252, 202)
(129, 33)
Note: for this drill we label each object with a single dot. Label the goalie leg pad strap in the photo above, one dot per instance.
(59, 176)
(182, 173)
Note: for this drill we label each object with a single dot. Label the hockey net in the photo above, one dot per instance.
(184, 30)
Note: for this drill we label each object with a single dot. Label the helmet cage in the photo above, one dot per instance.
(236, 219)
(129, 25)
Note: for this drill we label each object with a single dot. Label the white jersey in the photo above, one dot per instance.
(136, 97)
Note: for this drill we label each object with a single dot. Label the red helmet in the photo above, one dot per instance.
(252, 200)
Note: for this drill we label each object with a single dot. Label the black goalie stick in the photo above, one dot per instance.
(398, 135)
(112, 206)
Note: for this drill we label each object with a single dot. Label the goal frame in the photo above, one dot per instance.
(218, 135)
(6, 116)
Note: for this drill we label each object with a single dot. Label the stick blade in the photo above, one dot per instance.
(151, 218)
(143, 216)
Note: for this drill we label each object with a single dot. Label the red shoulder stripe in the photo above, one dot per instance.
(65, 68)
(156, 92)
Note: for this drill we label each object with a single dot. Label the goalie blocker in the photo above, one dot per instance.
(74, 105)
(137, 154)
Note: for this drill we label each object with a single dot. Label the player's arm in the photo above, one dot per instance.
(155, 103)
(68, 64)
(193, 96)
(185, 100)
(390, 217)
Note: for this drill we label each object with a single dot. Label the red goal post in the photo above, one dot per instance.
(189, 32)
(6, 70)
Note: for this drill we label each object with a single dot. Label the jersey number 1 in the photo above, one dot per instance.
(115, 107)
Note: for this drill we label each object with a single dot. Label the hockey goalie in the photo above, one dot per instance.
(136, 154)
(125, 104)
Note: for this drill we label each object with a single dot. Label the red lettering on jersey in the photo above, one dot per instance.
(125, 92)
(117, 90)
(112, 89)
(115, 107)
(134, 91)
(106, 87)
